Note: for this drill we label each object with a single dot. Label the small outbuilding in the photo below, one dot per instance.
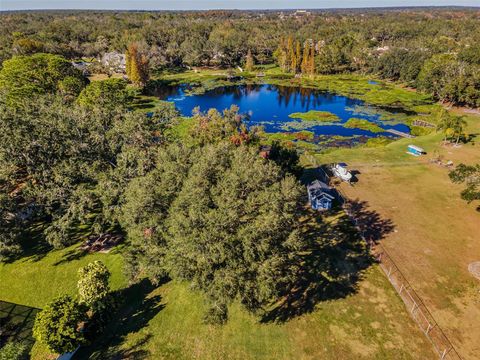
(320, 196)
(415, 150)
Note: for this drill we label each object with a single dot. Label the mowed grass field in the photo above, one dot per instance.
(435, 234)
(166, 322)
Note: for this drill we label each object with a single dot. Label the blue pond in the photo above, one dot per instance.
(270, 107)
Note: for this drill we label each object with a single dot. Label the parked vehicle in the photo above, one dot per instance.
(341, 172)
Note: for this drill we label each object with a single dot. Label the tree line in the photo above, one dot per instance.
(433, 50)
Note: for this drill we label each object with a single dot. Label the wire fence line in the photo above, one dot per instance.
(414, 304)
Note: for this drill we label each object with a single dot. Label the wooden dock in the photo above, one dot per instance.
(400, 133)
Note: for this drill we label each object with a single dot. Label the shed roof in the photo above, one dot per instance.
(416, 148)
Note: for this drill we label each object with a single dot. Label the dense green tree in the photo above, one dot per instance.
(10, 228)
(225, 220)
(439, 76)
(470, 54)
(26, 46)
(71, 162)
(25, 76)
(145, 207)
(58, 325)
(337, 56)
(93, 287)
(400, 64)
(452, 126)
(14, 350)
(232, 227)
(110, 94)
(470, 176)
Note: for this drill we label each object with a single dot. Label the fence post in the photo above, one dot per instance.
(414, 306)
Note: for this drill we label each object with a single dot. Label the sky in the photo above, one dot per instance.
(217, 4)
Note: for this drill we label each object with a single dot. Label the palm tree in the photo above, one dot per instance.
(444, 123)
(458, 126)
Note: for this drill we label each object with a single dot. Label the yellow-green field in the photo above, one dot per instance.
(435, 234)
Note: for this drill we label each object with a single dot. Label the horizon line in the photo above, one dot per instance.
(254, 9)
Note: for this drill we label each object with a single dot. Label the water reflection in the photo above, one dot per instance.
(271, 105)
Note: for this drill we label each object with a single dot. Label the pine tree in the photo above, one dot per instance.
(305, 58)
(298, 57)
(311, 61)
(290, 63)
(249, 61)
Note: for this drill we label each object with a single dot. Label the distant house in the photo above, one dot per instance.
(301, 13)
(320, 196)
(115, 61)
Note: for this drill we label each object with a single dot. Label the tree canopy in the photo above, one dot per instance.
(470, 176)
(110, 93)
(24, 76)
(93, 285)
(388, 43)
(219, 216)
(67, 161)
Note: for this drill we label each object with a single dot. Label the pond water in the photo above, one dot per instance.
(271, 105)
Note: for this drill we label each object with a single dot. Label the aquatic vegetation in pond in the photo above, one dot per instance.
(355, 123)
(315, 115)
(273, 107)
(290, 136)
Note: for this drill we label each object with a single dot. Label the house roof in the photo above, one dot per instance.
(317, 184)
(319, 189)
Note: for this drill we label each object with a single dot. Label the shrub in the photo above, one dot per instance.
(58, 325)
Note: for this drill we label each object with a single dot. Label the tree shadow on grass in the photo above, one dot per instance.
(137, 307)
(333, 263)
(370, 223)
(73, 254)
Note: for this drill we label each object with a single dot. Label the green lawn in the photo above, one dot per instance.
(371, 324)
(35, 280)
(369, 321)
